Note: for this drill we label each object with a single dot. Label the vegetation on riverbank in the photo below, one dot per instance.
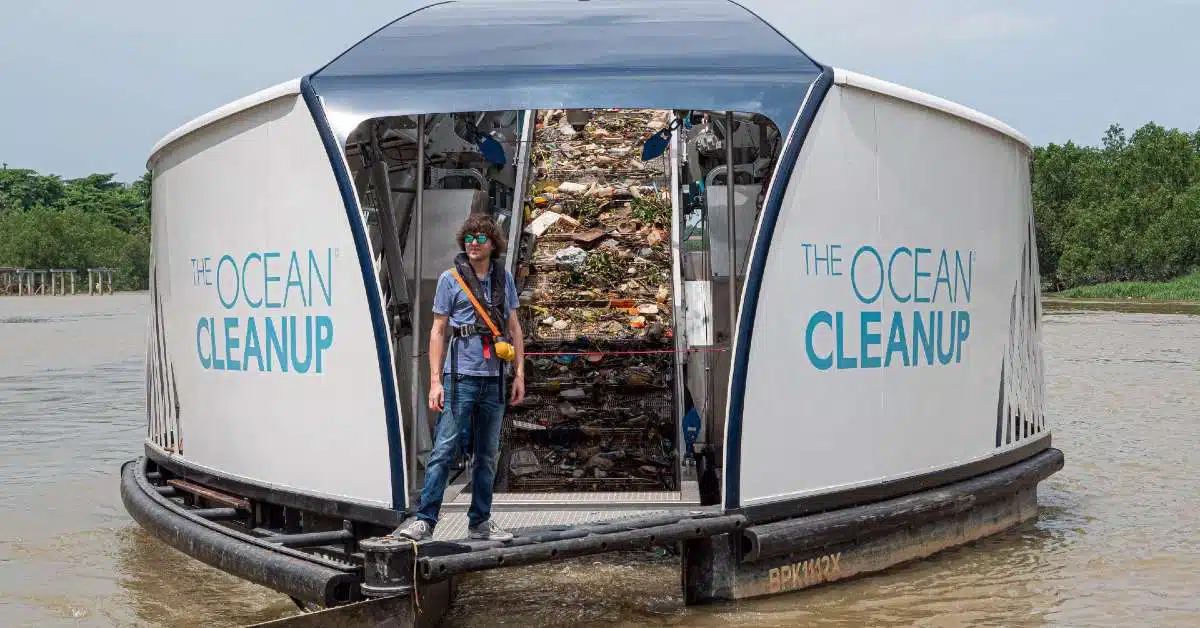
(1185, 288)
(94, 221)
(1127, 212)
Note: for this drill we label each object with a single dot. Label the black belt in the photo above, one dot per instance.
(468, 330)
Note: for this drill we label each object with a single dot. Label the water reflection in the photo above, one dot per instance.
(166, 588)
(1115, 542)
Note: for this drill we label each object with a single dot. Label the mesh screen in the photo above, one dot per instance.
(596, 279)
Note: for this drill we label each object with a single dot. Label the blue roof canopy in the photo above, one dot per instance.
(469, 56)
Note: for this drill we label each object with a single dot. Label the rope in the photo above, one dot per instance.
(416, 589)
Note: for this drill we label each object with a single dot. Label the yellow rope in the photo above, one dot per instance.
(416, 591)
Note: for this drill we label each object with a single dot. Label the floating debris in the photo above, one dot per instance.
(597, 283)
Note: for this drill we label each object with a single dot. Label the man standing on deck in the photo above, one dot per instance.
(467, 386)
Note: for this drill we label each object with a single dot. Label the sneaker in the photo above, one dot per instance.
(489, 531)
(417, 530)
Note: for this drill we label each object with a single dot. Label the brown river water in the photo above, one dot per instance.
(1116, 544)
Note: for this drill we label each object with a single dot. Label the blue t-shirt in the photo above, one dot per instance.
(449, 299)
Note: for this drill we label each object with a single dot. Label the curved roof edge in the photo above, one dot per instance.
(841, 77)
(285, 88)
(879, 86)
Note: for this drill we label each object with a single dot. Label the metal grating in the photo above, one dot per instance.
(453, 526)
(631, 497)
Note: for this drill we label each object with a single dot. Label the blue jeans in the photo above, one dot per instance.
(473, 404)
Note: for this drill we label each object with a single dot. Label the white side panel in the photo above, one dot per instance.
(216, 115)
(890, 200)
(254, 258)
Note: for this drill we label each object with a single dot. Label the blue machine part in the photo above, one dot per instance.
(691, 428)
(656, 145)
(492, 150)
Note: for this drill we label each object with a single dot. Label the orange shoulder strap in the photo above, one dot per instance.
(478, 308)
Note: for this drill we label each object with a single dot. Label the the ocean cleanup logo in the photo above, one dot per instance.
(927, 291)
(289, 297)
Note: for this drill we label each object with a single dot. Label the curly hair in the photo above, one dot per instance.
(482, 223)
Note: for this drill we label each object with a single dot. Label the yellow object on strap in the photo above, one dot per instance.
(505, 351)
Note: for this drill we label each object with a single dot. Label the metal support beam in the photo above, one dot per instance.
(731, 231)
(418, 253)
(521, 183)
(289, 571)
(311, 539)
(387, 222)
(433, 568)
(678, 313)
(212, 495)
(215, 514)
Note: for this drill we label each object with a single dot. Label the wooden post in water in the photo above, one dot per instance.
(58, 281)
(7, 274)
(96, 278)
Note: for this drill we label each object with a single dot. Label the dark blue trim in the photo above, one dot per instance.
(370, 282)
(762, 244)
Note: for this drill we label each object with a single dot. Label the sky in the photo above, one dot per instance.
(89, 87)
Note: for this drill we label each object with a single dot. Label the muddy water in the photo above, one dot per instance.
(1116, 543)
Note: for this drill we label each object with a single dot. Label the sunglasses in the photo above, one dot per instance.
(478, 237)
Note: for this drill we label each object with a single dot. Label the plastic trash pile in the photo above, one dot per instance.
(595, 277)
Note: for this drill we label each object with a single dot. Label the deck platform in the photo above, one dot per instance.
(516, 511)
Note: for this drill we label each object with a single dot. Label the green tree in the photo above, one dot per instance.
(1128, 209)
(23, 189)
(46, 222)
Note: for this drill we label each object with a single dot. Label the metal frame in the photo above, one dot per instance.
(258, 560)
(322, 504)
(678, 313)
(730, 227)
(419, 242)
(517, 217)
